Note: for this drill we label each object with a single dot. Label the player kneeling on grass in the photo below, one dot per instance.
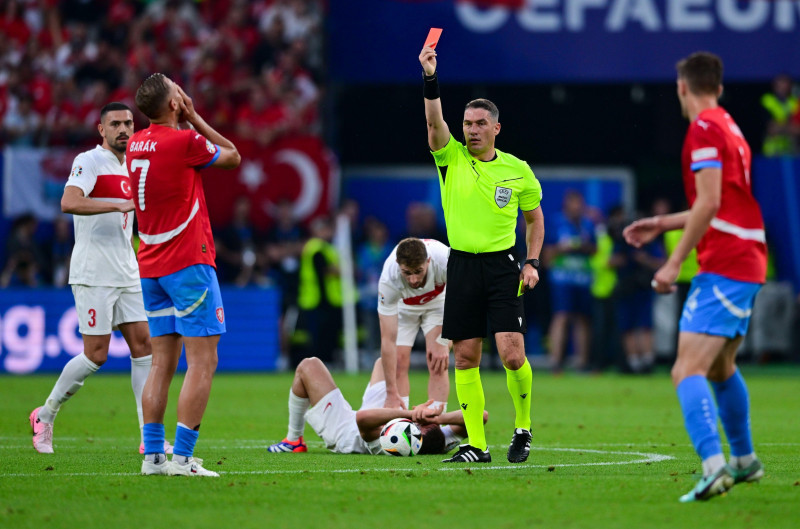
(314, 398)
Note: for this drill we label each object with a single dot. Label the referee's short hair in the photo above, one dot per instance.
(486, 105)
(152, 96)
(411, 252)
(702, 72)
(113, 106)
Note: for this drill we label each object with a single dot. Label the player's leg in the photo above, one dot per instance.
(408, 325)
(94, 308)
(507, 321)
(465, 324)
(312, 381)
(193, 299)
(403, 366)
(166, 350)
(165, 346)
(581, 333)
(130, 317)
(696, 354)
(716, 312)
(438, 356)
(733, 401)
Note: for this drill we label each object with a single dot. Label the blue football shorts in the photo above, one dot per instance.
(187, 302)
(718, 306)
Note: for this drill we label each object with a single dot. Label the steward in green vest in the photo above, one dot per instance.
(781, 105)
(319, 297)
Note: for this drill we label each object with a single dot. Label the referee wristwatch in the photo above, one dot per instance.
(533, 262)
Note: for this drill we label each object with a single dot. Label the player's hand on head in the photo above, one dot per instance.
(187, 106)
(427, 58)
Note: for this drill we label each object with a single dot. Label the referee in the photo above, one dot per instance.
(482, 187)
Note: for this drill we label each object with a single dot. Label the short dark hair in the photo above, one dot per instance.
(152, 95)
(111, 107)
(432, 439)
(702, 72)
(411, 252)
(486, 105)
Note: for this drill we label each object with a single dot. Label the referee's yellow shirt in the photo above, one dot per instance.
(480, 199)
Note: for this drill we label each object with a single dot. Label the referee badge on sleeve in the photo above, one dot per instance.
(502, 195)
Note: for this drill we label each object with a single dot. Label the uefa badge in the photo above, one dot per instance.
(210, 147)
(502, 195)
(76, 171)
(220, 315)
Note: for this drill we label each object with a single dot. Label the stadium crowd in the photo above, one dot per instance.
(256, 70)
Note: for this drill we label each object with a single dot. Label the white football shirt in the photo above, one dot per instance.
(394, 292)
(103, 255)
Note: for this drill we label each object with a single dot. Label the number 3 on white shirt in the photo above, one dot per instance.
(144, 165)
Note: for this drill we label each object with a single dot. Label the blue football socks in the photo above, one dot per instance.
(700, 415)
(153, 434)
(185, 439)
(734, 412)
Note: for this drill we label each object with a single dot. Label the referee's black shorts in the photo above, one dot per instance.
(481, 285)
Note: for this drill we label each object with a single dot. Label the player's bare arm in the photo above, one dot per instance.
(644, 230)
(438, 132)
(75, 202)
(534, 238)
(708, 183)
(370, 421)
(388, 325)
(229, 157)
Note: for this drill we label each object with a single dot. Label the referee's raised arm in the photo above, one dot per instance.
(438, 133)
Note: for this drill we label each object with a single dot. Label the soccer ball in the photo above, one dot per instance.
(401, 437)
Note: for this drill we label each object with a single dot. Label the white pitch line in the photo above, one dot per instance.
(643, 458)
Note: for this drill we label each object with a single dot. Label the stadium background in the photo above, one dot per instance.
(325, 106)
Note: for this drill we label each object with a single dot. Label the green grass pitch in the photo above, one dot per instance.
(608, 451)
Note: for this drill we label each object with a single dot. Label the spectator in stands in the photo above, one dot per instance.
(605, 346)
(319, 297)
(635, 296)
(24, 260)
(239, 256)
(370, 257)
(781, 135)
(571, 243)
(59, 250)
(421, 223)
(21, 124)
(285, 241)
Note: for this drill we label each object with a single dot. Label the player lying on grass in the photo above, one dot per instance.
(314, 398)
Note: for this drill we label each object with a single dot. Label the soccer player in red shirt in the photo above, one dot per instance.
(726, 226)
(176, 263)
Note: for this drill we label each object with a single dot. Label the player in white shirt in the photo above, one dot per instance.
(103, 273)
(315, 399)
(411, 295)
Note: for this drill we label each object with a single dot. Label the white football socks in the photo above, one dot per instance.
(450, 436)
(405, 401)
(438, 403)
(68, 383)
(297, 416)
(712, 464)
(742, 461)
(140, 368)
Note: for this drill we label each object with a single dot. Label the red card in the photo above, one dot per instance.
(433, 37)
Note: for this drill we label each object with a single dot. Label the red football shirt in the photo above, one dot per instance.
(171, 209)
(734, 246)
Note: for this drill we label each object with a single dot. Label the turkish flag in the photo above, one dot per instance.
(300, 169)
